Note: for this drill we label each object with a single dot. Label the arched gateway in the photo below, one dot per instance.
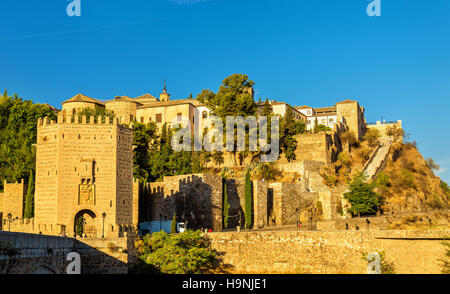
(85, 224)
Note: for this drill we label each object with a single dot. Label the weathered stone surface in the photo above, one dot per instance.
(412, 252)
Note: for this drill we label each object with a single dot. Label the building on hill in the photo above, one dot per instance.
(348, 112)
(280, 108)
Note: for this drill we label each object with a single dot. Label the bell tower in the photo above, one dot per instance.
(164, 96)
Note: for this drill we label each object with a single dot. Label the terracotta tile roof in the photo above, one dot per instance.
(83, 98)
(303, 107)
(347, 101)
(123, 98)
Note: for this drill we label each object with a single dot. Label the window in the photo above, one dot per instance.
(131, 118)
(179, 116)
(158, 118)
(149, 119)
(142, 120)
(324, 121)
(331, 120)
(204, 114)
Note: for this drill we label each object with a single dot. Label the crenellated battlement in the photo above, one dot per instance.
(79, 120)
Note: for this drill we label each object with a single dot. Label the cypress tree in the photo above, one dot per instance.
(226, 204)
(173, 225)
(248, 200)
(29, 200)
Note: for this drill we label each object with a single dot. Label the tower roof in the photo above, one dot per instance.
(83, 98)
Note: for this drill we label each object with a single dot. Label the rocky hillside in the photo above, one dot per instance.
(409, 184)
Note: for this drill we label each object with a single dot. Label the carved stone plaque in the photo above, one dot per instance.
(86, 194)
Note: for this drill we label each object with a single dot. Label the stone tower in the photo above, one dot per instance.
(84, 177)
(164, 96)
(353, 115)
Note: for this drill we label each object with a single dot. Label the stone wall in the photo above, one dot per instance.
(315, 252)
(28, 254)
(13, 199)
(195, 198)
(383, 128)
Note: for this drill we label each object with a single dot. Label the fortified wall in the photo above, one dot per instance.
(383, 127)
(195, 198)
(338, 252)
(12, 201)
(38, 254)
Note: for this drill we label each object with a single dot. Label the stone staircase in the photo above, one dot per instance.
(377, 160)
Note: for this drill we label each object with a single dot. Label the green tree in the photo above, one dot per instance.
(232, 99)
(173, 224)
(226, 204)
(95, 113)
(248, 200)
(361, 195)
(372, 136)
(185, 253)
(395, 132)
(18, 133)
(144, 137)
(432, 164)
(350, 138)
(29, 200)
(289, 127)
(321, 128)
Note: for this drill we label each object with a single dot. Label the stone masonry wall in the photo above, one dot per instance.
(315, 252)
(30, 254)
(195, 198)
(13, 199)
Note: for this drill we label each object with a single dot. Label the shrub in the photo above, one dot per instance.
(446, 260)
(329, 178)
(409, 165)
(248, 200)
(432, 164)
(321, 128)
(382, 180)
(406, 179)
(185, 253)
(364, 153)
(349, 137)
(436, 202)
(226, 204)
(446, 189)
(173, 224)
(395, 132)
(268, 172)
(363, 200)
(319, 207)
(387, 268)
(372, 136)
(345, 159)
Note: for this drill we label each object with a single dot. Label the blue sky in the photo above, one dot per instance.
(313, 52)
